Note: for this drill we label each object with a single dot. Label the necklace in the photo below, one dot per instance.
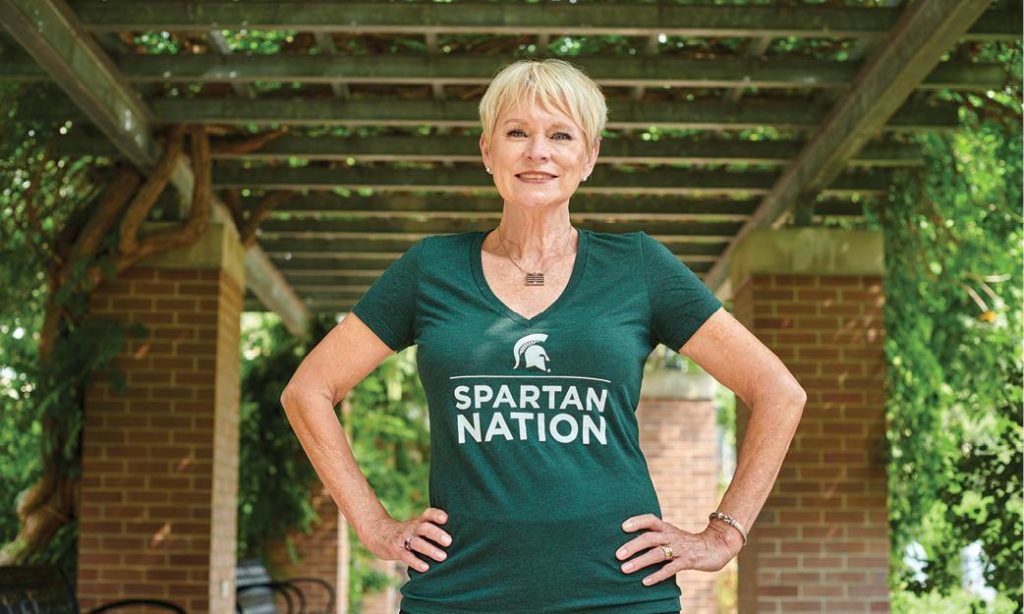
(535, 278)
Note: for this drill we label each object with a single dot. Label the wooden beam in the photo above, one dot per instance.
(265, 281)
(330, 229)
(607, 71)
(47, 29)
(325, 45)
(49, 32)
(463, 113)
(608, 17)
(387, 148)
(299, 270)
(216, 37)
(663, 181)
(395, 244)
(924, 32)
(325, 205)
(388, 112)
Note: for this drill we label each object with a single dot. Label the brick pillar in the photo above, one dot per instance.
(821, 542)
(678, 435)
(321, 554)
(157, 510)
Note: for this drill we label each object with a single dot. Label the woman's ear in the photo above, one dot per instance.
(592, 159)
(485, 151)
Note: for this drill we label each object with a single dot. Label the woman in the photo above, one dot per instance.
(531, 342)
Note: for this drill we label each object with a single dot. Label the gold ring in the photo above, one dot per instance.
(668, 551)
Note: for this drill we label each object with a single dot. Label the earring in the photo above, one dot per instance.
(488, 169)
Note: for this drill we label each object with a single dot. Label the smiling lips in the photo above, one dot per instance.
(534, 177)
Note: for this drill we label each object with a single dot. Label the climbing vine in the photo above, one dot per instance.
(953, 286)
(68, 227)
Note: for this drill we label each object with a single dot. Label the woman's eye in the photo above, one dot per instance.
(515, 131)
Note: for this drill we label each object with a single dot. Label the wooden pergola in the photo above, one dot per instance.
(356, 135)
(832, 122)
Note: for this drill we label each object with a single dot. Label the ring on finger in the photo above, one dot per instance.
(667, 550)
(408, 540)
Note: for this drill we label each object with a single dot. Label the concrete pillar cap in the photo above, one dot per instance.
(217, 248)
(807, 251)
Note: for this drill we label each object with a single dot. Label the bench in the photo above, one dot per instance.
(44, 588)
(255, 591)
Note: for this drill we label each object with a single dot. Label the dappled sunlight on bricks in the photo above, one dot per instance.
(160, 457)
(821, 543)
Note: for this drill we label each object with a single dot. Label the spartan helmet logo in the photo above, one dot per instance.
(529, 349)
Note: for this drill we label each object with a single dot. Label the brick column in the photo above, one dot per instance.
(157, 512)
(821, 542)
(323, 554)
(678, 435)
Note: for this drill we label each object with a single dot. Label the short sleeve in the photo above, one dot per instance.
(680, 302)
(388, 306)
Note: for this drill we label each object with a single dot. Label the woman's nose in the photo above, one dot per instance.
(539, 149)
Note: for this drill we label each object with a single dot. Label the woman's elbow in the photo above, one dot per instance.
(796, 399)
(286, 396)
(801, 398)
(791, 396)
(294, 392)
(291, 391)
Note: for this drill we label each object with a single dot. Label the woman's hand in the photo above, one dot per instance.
(708, 550)
(387, 538)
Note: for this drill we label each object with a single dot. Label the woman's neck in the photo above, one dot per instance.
(536, 235)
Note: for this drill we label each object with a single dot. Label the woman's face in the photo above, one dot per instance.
(531, 140)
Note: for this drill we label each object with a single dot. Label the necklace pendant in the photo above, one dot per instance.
(535, 279)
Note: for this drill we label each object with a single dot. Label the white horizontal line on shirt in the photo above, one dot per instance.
(596, 379)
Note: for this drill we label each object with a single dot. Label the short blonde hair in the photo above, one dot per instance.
(558, 84)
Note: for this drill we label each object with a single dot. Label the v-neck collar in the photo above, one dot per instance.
(476, 261)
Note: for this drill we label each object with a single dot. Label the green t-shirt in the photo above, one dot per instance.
(535, 452)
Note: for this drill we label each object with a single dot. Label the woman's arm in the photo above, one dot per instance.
(739, 361)
(346, 355)
(731, 354)
(340, 361)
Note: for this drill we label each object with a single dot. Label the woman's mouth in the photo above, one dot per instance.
(535, 177)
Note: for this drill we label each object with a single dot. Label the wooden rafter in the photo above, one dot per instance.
(458, 113)
(665, 181)
(661, 71)
(823, 139)
(49, 31)
(924, 32)
(621, 17)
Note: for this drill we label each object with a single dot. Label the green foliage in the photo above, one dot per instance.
(274, 476)
(955, 600)
(43, 194)
(953, 287)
